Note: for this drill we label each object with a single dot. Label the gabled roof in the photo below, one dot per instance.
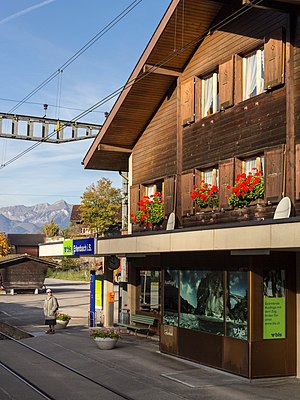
(12, 259)
(75, 213)
(181, 30)
(171, 46)
(26, 239)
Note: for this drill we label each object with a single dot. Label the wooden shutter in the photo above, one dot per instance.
(226, 177)
(238, 167)
(143, 191)
(134, 198)
(187, 183)
(169, 190)
(297, 171)
(238, 79)
(198, 98)
(274, 166)
(274, 54)
(226, 84)
(188, 101)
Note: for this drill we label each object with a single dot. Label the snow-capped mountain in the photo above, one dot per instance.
(30, 219)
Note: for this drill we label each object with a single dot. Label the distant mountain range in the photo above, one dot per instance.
(31, 219)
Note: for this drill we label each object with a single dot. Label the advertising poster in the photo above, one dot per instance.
(274, 312)
(171, 297)
(99, 292)
(202, 301)
(237, 305)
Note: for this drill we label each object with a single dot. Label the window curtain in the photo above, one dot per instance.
(262, 72)
(208, 96)
(250, 77)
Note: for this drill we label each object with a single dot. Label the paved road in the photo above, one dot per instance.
(135, 367)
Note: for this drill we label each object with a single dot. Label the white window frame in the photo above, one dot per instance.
(258, 71)
(210, 176)
(214, 79)
(254, 162)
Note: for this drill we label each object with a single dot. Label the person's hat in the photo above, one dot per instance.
(48, 290)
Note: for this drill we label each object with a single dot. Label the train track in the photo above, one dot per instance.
(53, 363)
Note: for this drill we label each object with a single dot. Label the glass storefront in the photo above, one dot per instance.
(150, 291)
(195, 299)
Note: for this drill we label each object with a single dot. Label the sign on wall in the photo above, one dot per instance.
(79, 247)
(274, 313)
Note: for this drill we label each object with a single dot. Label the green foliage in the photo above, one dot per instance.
(246, 189)
(100, 206)
(3, 245)
(68, 263)
(51, 229)
(151, 210)
(105, 333)
(72, 275)
(62, 317)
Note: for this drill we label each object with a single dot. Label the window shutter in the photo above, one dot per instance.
(238, 167)
(226, 84)
(274, 160)
(187, 183)
(297, 171)
(226, 177)
(238, 80)
(274, 54)
(143, 192)
(188, 101)
(169, 189)
(134, 198)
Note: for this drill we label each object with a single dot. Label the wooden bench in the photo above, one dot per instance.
(145, 320)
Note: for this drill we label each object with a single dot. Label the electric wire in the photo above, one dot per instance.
(84, 48)
(50, 105)
(219, 25)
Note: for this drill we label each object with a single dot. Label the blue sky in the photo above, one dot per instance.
(37, 37)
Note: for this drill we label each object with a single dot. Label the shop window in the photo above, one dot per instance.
(171, 287)
(253, 74)
(210, 94)
(237, 305)
(199, 296)
(149, 291)
(202, 301)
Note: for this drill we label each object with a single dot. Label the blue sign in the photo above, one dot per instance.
(83, 246)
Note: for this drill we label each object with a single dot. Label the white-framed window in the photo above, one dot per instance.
(210, 176)
(250, 164)
(210, 94)
(156, 187)
(253, 74)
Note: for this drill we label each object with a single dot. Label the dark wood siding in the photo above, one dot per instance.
(250, 125)
(297, 80)
(154, 156)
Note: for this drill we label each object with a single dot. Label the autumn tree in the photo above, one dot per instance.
(3, 245)
(100, 206)
(51, 229)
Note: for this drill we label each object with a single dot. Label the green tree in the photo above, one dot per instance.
(51, 229)
(3, 245)
(100, 206)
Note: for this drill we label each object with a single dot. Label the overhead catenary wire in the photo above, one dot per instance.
(110, 96)
(84, 48)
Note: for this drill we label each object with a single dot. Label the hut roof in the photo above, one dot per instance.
(11, 259)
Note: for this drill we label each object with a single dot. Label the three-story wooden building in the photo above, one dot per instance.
(214, 100)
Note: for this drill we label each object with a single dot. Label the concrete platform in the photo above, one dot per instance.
(135, 366)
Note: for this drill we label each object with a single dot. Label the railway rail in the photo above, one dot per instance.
(54, 364)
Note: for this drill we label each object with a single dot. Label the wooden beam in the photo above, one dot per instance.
(270, 5)
(108, 147)
(159, 70)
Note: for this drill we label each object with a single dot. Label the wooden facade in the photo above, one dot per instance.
(173, 138)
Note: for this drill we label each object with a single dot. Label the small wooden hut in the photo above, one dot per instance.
(23, 272)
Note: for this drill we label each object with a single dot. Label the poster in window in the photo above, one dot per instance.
(149, 299)
(237, 305)
(171, 297)
(202, 301)
(274, 313)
